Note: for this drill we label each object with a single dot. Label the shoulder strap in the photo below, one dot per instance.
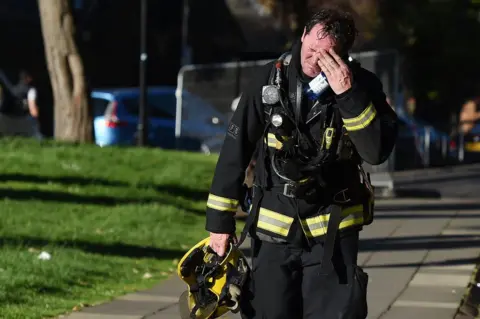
(260, 169)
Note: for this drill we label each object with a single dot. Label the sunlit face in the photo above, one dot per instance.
(312, 43)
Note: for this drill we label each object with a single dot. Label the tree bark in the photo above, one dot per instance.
(72, 115)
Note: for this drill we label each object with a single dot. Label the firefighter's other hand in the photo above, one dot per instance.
(219, 243)
(337, 72)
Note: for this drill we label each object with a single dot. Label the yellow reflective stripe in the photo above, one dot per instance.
(272, 141)
(352, 210)
(302, 181)
(361, 121)
(317, 226)
(274, 222)
(351, 221)
(222, 204)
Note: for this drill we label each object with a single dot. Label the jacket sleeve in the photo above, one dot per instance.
(244, 130)
(369, 120)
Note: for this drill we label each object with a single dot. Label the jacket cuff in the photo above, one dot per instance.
(220, 222)
(356, 109)
(353, 102)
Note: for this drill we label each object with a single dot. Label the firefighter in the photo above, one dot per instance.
(309, 184)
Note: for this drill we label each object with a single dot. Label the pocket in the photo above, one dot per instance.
(368, 206)
(344, 301)
(360, 282)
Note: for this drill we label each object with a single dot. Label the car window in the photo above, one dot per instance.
(159, 105)
(99, 106)
(194, 107)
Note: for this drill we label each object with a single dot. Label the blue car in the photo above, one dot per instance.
(116, 116)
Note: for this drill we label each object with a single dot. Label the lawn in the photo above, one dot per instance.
(112, 219)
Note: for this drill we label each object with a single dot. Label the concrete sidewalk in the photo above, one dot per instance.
(419, 254)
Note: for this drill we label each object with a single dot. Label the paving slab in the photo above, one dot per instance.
(419, 255)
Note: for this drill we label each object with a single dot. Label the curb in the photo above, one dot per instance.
(469, 306)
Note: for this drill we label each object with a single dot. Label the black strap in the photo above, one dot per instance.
(257, 191)
(261, 177)
(298, 106)
(328, 247)
(257, 196)
(194, 311)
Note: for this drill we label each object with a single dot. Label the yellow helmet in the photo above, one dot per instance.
(214, 283)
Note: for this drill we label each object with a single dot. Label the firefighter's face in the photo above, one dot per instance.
(312, 42)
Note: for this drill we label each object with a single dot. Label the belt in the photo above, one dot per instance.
(291, 190)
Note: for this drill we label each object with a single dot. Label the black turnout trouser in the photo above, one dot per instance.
(285, 281)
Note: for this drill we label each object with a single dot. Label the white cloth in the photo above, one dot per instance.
(32, 94)
(235, 103)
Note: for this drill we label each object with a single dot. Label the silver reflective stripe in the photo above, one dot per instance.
(272, 141)
(222, 203)
(274, 222)
(317, 226)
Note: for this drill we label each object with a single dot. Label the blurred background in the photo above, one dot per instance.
(198, 57)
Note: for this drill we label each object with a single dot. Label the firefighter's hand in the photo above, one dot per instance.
(219, 243)
(337, 72)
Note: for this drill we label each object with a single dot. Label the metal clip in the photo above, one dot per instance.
(288, 190)
(345, 198)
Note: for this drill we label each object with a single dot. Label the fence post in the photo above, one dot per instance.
(427, 140)
(461, 146)
(444, 147)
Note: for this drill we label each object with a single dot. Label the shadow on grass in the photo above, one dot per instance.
(175, 190)
(113, 249)
(65, 180)
(192, 194)
(64, 197)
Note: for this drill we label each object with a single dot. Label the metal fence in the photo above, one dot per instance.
(215, 84)
(219, 84)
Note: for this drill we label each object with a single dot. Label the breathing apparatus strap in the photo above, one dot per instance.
(260, 168)
(252, 216)
(330, 238)
(298, 106)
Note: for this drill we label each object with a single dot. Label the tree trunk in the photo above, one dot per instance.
(72, 115)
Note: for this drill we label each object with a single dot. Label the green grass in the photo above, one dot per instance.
(109, 217)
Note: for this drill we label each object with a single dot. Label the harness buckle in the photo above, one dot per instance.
(288, 190)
